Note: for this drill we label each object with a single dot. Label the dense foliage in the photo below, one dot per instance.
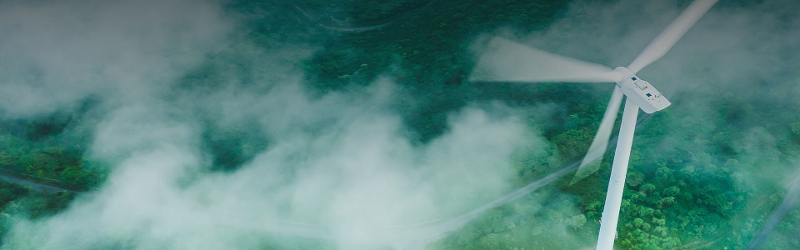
(685, 193)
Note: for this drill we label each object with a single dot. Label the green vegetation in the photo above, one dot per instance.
(688, 191)
(356, 12)
(35, 150)
(43, 166)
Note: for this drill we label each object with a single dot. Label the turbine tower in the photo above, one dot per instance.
(508, 61)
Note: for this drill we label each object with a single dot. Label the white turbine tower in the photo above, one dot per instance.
(507, 61)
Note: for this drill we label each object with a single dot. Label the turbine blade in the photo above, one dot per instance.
(508, 61)
(664, 41)
(591, 162)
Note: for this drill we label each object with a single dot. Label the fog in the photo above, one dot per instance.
(342, 162)
(60, 52)
(342, 165)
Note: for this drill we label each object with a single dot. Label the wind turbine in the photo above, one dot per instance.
(507, 61)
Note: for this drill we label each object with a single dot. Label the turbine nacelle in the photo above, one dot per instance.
(641, 92)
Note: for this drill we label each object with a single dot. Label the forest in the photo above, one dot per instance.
(706, 173)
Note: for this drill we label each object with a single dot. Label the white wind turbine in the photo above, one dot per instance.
(507, 61)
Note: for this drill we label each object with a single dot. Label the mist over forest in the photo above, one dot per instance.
(352, 124)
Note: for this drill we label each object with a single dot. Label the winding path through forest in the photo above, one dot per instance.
(413, 236)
